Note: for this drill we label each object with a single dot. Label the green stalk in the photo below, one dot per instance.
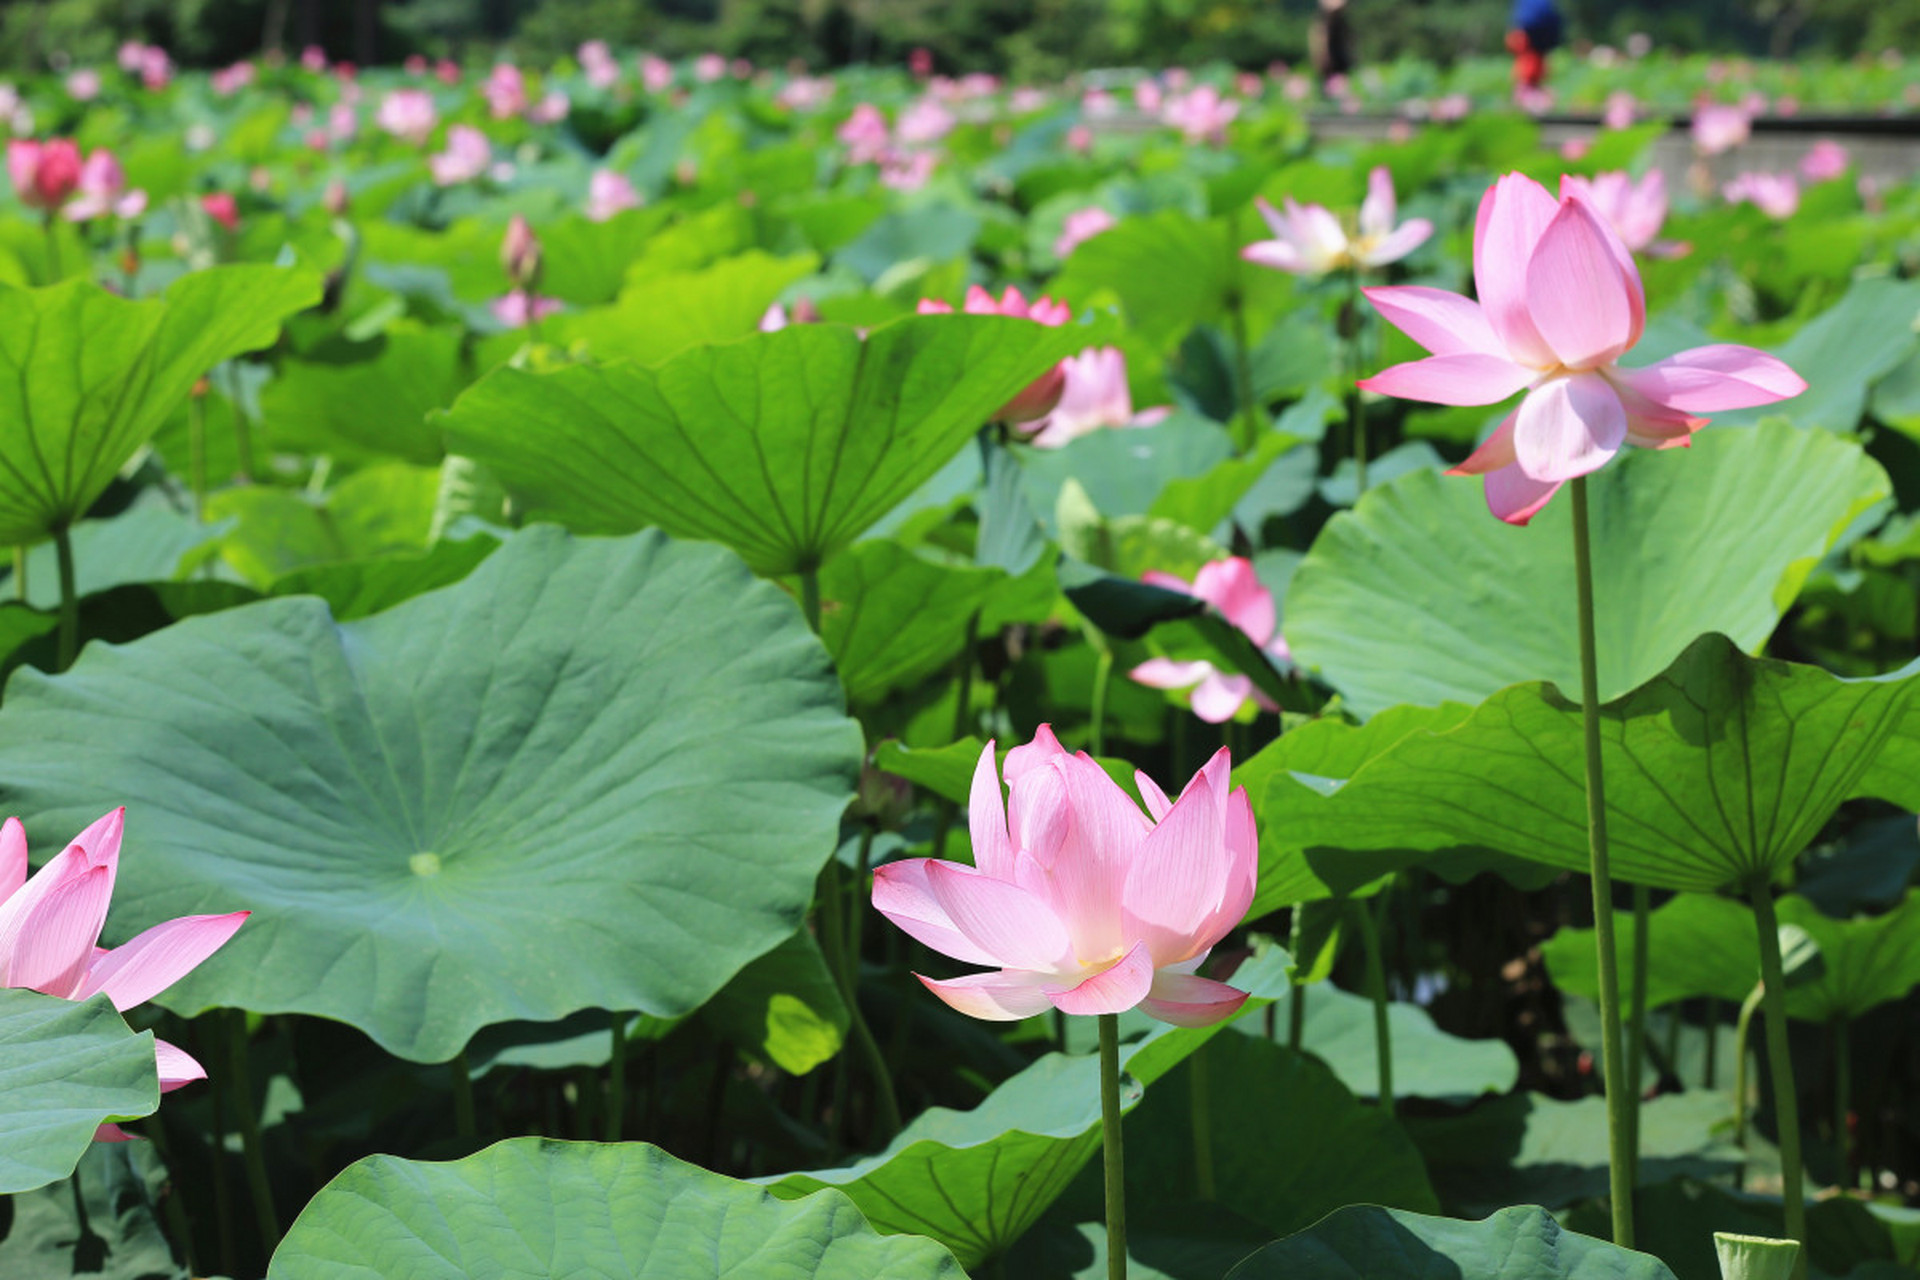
(1248, 437)
(20, 573)
(1786, 1103)
(617, 1078)
(219, 1086)
(1843, 1098)
(69, 599)
(463, 1115)
(1619, 1089)
(53, 247)
(1102, 676)
(1710, 1016)
(1297, 994)
(1111, 1155)
(197, 453)
(1637, 1028)
(1377, 992)
(248, 1121)
(242, 428)
(1741, 1028)
(810, 597)
(1356, 411)
(844, 967)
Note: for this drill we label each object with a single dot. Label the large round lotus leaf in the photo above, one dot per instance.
(784, 446)
(592, 774)
(1420, 596)
(64, 1069)
(532, 1207)
(1521, 1243)
(1719, 771)
(86, 376)
(1427, 1062)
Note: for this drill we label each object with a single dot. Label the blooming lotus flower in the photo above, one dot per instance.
(407, 114)
(609, 193)
(44, 173)
(103, 191)
(314, 58)
(231, 80)
(50, 930)
(1081, 225)
(551, 109)
(924, 122)
(1309, 240)
(1717, 128)
(865, 134)
(1232, 587)
(1825, 160)
(505, 91)
(1560, 303)
(519, 308)
(709, 67)
(1635, 210)
(467, 156)
(222, 208)
(1775, 194)
(1095, 395)
(906, 170)
(1621, 109)
(1201, 115)
(1043, 393)
(599, 65)
(83, 85)
(656, 73)
(1080, 901)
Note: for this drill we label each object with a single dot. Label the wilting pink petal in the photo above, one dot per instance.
(140, 969)
(177, 1066)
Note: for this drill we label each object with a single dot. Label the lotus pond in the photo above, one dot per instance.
(697, 671)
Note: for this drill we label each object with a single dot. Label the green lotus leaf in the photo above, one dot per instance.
(595, 773)
(66, 1067)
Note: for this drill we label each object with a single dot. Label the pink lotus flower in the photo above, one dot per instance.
(44, 173)
(1560, 303)
(1621, 108)
(1080, 901)
(1082, 225)
(50, 931)
(520, 252)
(408, 114)
(505, 91)
(103, 191)
(518, 308)
(1825, 160)
(1095, 396)
(314, 58)
(231, 80)
(906, 170)
(599, 65)
(609, 193)
(1201, 115)
(1635, 210)
(1232, 587)
(656, 73)
(467, 156)
(923, 122)
(222, 208)
(551, 109)
(1718, 128)
(83, 85)
(1310, 240)
(709, 67)
(1043, 393)
(1775, 194)
(865, 134)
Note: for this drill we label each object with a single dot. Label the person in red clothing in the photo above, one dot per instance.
(1534, 32)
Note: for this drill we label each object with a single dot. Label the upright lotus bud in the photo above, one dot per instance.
(520, 253)
(44, 173)
(222, 208)
(335, 199)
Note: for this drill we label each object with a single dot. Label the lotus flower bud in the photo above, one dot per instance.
(520, 253)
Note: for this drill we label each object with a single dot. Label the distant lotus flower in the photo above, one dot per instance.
(447, 72)
(906, 170)
(1621, 108)
(231, 80)
(50, 931)
(148, 61)
(314, 58)
(1080, 139)
(1718, 128)
(804, 93)
(1147, 96)
(408, 114)
(467, 156)
(414, 64)
(609, 193)
(1639, 45)
(1309, 240)
(520, 252)
(1098, 104)
(599, 65)
(44, 174)
(1081, 226)
(1201, 115)
(865, 135)
(1560, 303)
(551, 109)
(130, 57)
(709, 67)
(1453, 106)
(1095, 396)
(1635, 210)
(920, 61)
(1040, 396)
(1026, 100)
(1775, 194)
(1232, 587)
(1078, 900)
(342, 122)
(83, 85)
(505, 90)
(103, 191)
(222, 208)
(923, 122)
(518, 308)
(656, 73)
(1825, 160)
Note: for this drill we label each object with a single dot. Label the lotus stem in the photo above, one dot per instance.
(69, 599)
(51, 227)
(1377, 992)
(1637, 1026)
(463, 1117)
(1710, 1019)
(845, 967)
(1843, 1098)
(810, 597)
(1786, 1102)
(20, 574)
(197, 453)
(617, 1077)
(1619, 1089)
(220, 1088)
(1102, 677)
(1297, 994)
(1111, 1156)
(1356, 411)
(247, 1119)
(242, 427)
(1748, 1008)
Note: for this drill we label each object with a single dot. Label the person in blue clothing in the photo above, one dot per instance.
(1535, 31)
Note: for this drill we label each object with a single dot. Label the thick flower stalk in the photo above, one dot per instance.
(1232, 587)
(1560, 303)
(1077, 899)
(50, 927)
